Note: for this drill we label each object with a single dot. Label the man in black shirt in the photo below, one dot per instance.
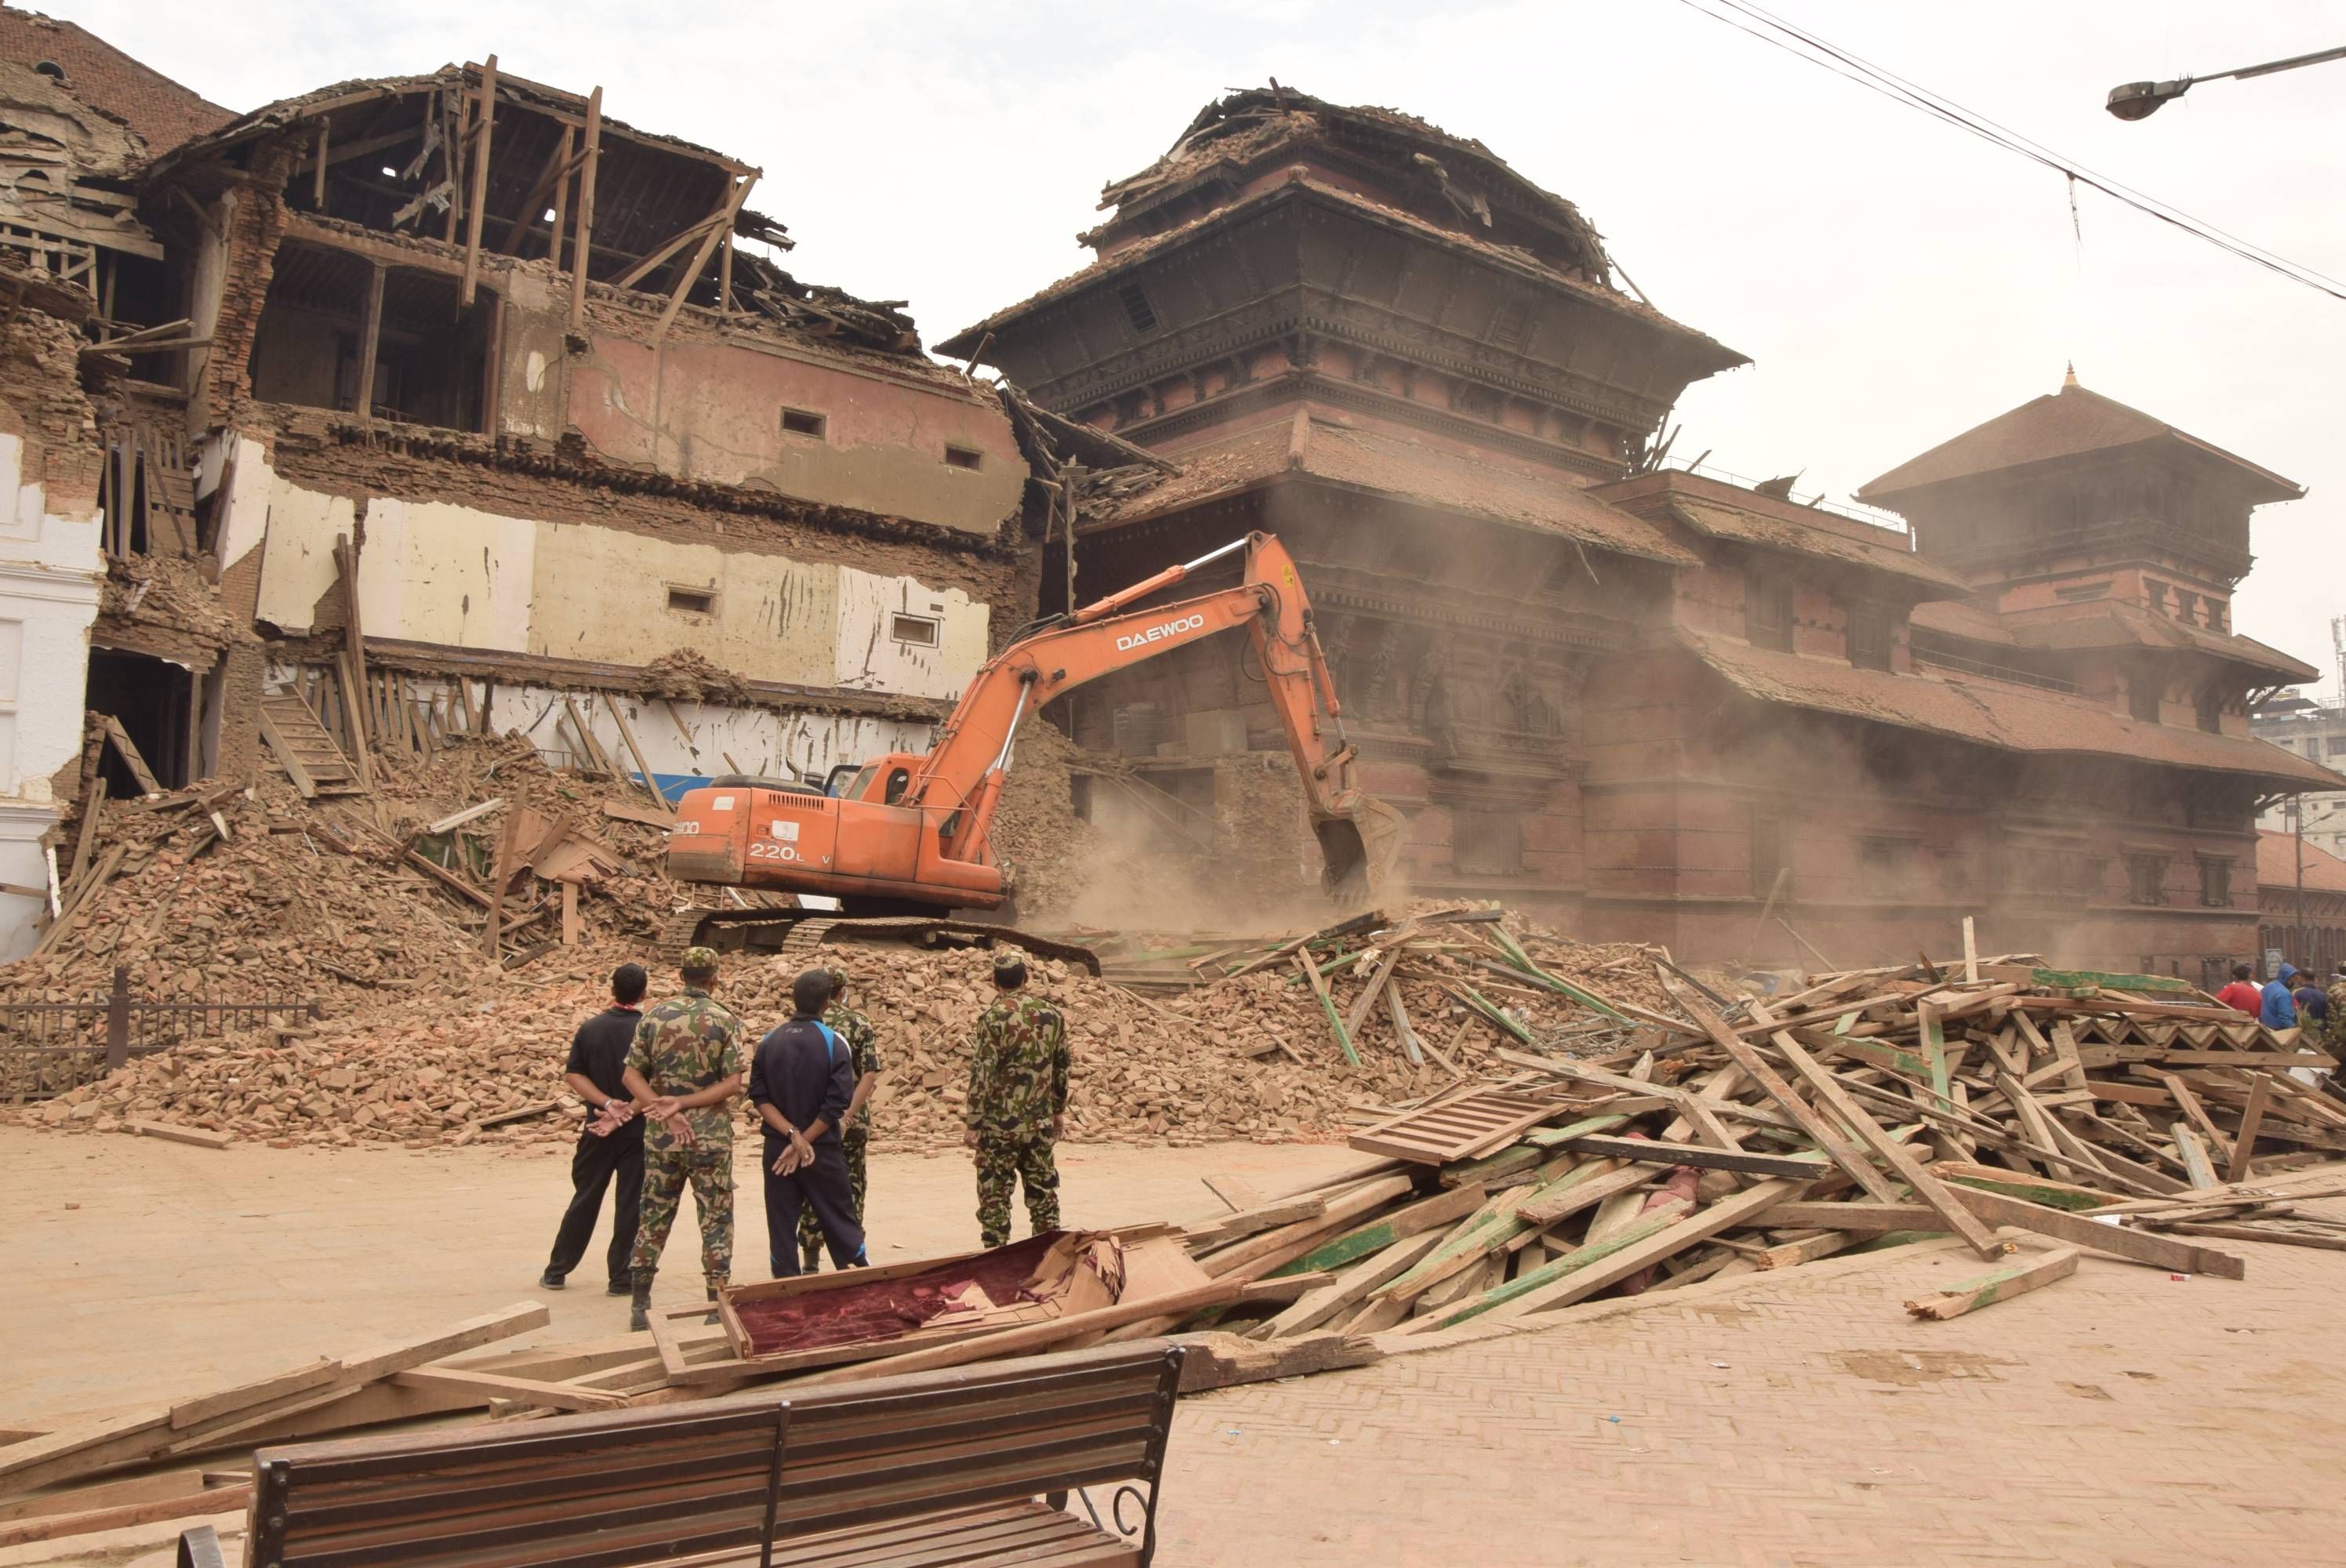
(611, 1143)
(801, 1080)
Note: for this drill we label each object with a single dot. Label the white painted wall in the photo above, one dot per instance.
(433, 572)
(871, 656)
(444, 573)
(49, 573)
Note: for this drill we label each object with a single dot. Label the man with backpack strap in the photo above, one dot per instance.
(801, 1080)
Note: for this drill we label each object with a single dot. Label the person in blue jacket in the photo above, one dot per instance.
(2279, 1010)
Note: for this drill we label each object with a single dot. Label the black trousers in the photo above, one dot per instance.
(823, 1186)
(592, 1168)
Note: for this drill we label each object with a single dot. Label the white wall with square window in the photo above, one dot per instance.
(897, 635)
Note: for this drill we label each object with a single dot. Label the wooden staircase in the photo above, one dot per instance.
(307, 753)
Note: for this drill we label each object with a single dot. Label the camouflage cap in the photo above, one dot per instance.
(837, 977)
(698, 958)
(1009, 961)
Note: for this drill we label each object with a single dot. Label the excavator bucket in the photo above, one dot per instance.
(1362, 846)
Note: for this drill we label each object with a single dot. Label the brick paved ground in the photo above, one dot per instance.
(2118, 1417)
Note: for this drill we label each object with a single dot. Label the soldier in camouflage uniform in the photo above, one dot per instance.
(1017, 1103)
(685, 1066)
(854, 1032)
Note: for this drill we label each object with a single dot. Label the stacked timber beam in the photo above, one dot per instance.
(1857, 1111)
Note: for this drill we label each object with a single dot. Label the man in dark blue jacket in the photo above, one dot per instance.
(801, 1080)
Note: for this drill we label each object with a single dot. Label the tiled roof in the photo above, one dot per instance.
(2118, 625)
(1990, 713)
(1956, 619)
(1379, 461)
(163, 113)
(2066, 423)
(1722, 522)
(2276, 864)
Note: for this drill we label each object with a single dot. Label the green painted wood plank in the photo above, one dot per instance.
(1483, 1005)
(2083, 978)
(2020, 1187)
(1548, 1273)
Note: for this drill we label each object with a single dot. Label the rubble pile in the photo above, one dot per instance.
(1252, 1056)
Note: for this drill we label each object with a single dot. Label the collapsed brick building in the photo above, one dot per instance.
(445, 403)
(1647, 702)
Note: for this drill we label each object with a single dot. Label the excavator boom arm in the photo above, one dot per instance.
(965, 769)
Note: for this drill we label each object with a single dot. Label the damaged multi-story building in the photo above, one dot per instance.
(446, 402)
(1645, 701)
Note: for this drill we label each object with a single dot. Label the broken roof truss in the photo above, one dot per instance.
(498, 165)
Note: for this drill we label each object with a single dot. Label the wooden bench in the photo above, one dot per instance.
(931, 1469)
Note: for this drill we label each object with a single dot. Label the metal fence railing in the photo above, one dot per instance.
(49, 1047)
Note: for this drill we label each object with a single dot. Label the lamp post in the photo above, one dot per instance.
(2140, 100)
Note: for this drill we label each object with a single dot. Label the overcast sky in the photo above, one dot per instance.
(1895, 280)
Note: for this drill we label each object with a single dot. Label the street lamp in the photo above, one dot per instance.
(2140, 100)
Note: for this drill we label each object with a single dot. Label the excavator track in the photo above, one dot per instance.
(801, 935)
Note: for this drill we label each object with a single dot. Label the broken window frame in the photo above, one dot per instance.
(899, 619)
(690, 591)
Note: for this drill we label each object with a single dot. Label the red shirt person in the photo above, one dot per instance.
(2242, 993)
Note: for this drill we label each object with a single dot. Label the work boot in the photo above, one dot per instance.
(713, 1319)
(549, 1280)
(813, 1262)
(619, 1287)
(639, 1314)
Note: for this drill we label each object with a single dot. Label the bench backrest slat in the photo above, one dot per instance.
(642, 1486)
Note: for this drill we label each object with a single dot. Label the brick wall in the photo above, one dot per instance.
(161, 111)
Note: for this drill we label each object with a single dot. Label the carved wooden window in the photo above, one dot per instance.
(1768, 611)
(2142, 694)
(1870, 636)
(2146, 879)
(2211, 708)
(2215, 883)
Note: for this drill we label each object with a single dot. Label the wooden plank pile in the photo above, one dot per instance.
(1859, 1110)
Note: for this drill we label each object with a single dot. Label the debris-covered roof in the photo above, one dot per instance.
(1318, 447)
(1513, 258)
(2070, 423)
(1244, 128)
(1719, 521)
(2111, 625)
(1987, 712)
(1956, 619)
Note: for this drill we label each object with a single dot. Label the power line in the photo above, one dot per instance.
(1803, 45)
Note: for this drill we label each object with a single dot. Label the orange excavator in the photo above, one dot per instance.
(904, 835)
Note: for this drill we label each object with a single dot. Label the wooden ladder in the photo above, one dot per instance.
(307, 753)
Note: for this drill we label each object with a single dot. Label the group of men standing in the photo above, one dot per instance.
(658, 1082)
(2293, 998)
